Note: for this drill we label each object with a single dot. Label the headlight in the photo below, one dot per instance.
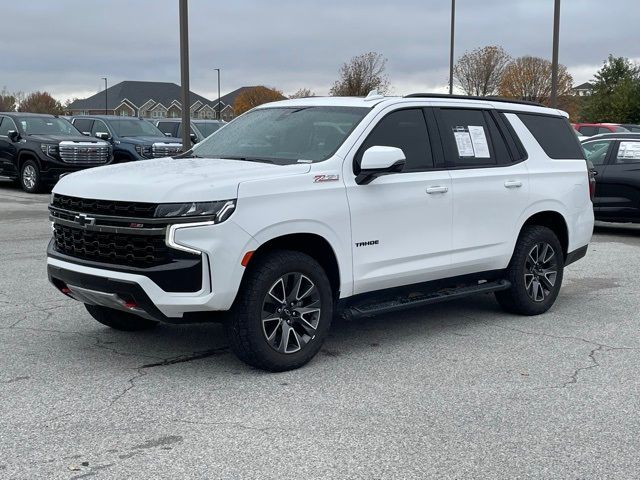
(144, 150)
(221, 210)
(49, 149)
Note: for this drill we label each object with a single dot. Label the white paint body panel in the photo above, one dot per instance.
(470, 225)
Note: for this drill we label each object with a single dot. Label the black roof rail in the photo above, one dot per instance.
(471, 97)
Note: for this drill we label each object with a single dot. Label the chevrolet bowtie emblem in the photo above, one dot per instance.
(84, 220)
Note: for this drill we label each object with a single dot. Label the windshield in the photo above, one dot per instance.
(283, 135)
(46, 126)
(132, 127)
(207, 128)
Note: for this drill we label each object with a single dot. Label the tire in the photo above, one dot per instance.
(535, 272)
(279, 340)
(127, 322)
(30, 177)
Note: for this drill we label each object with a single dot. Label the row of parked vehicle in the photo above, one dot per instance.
(591, 129)
(36, 149)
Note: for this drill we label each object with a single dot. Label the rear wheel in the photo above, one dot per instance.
(118, 320)
(283, 313)
(535, 272)
(30, 178)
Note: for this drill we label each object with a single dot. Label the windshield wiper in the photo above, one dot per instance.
(249, 159)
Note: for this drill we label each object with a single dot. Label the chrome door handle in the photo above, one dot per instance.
(513, 184)
(437, 189)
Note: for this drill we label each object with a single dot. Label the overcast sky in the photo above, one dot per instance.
(65, 46)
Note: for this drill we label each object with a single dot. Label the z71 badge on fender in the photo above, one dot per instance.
(325, 178)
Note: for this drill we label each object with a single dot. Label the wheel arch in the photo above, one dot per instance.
(312, 244)
(27, 155)
(553, 220)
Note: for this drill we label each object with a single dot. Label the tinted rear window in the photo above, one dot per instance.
(554, 134)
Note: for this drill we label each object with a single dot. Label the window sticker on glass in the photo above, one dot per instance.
(479, 141)
(629, 150)
(463, 142)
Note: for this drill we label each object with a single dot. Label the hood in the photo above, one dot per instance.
(61, 138)
(167, 180)
(149, 140)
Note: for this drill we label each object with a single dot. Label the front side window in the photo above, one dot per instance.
(283, 135)
(467, 139)
(168, 127)
(6, 125)
(628, 152)
(46, 126)
(406, 130)
(99, 127)
(596, 152)
(83, 124)
(134, 128)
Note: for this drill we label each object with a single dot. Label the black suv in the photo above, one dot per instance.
(37, 149)
(132, 138)
(616, 163)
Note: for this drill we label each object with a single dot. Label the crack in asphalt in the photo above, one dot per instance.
(187, 358)
(573, 378)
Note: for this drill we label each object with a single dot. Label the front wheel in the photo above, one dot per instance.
(30, 178)
(283, 312)
(535, 272)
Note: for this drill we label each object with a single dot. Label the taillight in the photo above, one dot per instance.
(592, 185)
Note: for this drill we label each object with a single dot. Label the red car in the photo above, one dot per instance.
(590, 129)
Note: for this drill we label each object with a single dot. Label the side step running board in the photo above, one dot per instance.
(419, 299)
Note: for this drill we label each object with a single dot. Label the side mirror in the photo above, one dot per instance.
(194, 138)
(13, 135)
(103, 135)
(88, 134)
(378, 161)
(167, 134)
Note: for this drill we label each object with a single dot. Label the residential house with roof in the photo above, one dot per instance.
(149, 100)
(583, 90)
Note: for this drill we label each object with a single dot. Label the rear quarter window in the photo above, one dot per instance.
(554, 134)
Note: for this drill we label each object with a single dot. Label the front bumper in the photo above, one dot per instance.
(222, 247)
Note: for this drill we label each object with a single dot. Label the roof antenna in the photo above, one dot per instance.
(373, 95)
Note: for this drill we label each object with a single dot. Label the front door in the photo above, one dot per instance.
(400, 223)
(597, 152)
(7, 148)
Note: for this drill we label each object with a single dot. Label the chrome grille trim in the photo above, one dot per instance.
(84, 153)
(161, 149)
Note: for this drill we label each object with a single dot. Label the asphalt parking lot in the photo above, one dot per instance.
(459, 390)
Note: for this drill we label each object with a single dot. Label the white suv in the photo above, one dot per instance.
(304, 209)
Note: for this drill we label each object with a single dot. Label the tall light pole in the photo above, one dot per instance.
(554, 60)
(184, 74)
(218, 70)
(106, 98)
(453, 23)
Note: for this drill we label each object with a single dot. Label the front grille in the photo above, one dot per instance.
(166, 149)
(84, 153)
(105, 207)
(122, 249)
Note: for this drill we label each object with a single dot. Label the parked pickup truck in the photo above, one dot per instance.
(304, 209)
(132, 138)
(36, 149)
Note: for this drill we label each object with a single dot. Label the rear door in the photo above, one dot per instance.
(490, 190)
(620, 182)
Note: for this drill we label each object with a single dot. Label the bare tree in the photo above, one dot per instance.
(303, 93)
(529, 78)
(8, 101)
(360, 75)
(479, 71)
